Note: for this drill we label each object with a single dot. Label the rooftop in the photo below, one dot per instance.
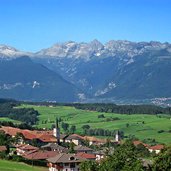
(27, 147)
(139, 142)
(74, 136)
(66, 158)
(157, 147)
(82, 148)
(54, 146)
(40, 155)
(47, 138)
(86, 155)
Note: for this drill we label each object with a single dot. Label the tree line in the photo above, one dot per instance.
(100, 131)
(122, 109)
(112, 108)
(25, 115)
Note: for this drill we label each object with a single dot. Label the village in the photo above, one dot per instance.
(62, 152)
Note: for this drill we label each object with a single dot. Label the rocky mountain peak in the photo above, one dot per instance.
(86, 51)
(11, 52)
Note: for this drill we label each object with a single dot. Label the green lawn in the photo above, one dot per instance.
(152, 123)
(16, 166)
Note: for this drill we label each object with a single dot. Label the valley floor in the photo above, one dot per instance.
(142, 126)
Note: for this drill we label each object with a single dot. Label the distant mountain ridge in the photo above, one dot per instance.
(87, 50)
(23, 79)
(117, 70)
(8, 52)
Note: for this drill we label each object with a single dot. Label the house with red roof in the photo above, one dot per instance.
(94, 140)
(46, 138)
(65, 162)
(40, 155)
(87, 156)
(136, 143)
(75, 138)
(11, 131)
(24, 149)
(156, 148)
(28, 135)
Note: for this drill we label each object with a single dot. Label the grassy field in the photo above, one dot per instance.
(15, 166)
(8, 119)
(142, 126)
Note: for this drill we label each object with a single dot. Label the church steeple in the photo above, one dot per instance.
(56, 131)
(117, 136)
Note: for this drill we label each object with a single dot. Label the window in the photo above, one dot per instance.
(72, 158)
(72, 165)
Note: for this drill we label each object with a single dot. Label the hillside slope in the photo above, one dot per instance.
(23, 79)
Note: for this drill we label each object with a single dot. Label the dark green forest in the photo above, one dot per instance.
(112, 108)
(123, 109)
(25, 115)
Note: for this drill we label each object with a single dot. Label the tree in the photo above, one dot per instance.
(86, 142)
(86, 127)
(142, 151)
(127, 125)
(73, 129)
(5, 140)
(163, 160)
(71, 147)
(52, 126)
(123, 159)
(89, 166)
(108, 143)
(65, 126)
(101, 116)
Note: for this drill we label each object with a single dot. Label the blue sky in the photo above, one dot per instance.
(31, 25)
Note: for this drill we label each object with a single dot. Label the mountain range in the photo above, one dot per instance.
(118, 71)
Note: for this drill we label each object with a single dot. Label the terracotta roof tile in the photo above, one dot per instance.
(27, 147)
(139, 142)
(47, 138)
(28, 134)
(74, 136)
(40, 155)
(86, 155)
(10, 130)
(157, 147)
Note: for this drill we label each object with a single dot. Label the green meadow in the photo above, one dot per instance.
(9, 120)
(142, 126)
(16, 166)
